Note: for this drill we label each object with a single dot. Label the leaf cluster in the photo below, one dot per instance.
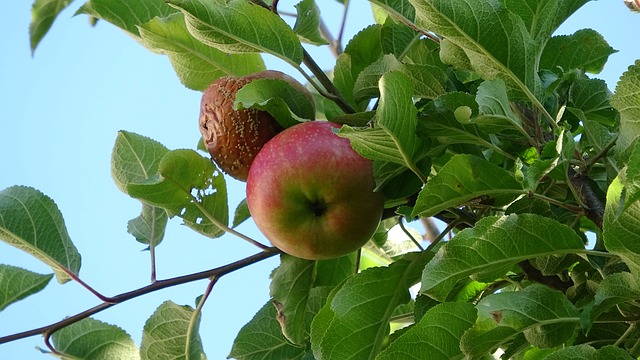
(474, 114)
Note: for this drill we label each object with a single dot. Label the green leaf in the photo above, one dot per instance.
(367, 83)
(462, 179)
(543, 17)
(190, 186)
(355, 320)
(149, 227)
(241, 214)
(362, 50)
(626, 100)
(261, 339)
(428, 81)
(307, 25)
(621, 226)
(586, 50)
(592, 96)
(17, 283)
(396, 115)
(279, 98)
(614, 289)
(291, 284)
(492, 247)
(172, 332)
(135, 159)
(495, 109)
(240, 26)
(425, 52)
(196, 64)
(43, 14)
(393, 139)
(126, 15)
(438, 334)
(94, 339)
(292, 290)
(440, 120)
(632, 178)
(332, 272)
(545, 317)
(588, 352)
(398, 9)
(31, 221)
(496, 41)
(396, 38)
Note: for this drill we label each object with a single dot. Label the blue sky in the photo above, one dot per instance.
(59, 116)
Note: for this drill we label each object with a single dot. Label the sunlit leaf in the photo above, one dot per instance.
(492, 247)
(240, 26)
(294, 287)
(543, 17)
(496, 42)
(94, 339)
(626, 99)
(126, 14)
(621, 227)
(354, 322)
(196, 64)
(32, 222)
(17, 283)
(135, 159)
(399, 9)
(172, 332)
(437, 334)
(187, 185)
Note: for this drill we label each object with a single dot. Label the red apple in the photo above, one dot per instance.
(311, 194)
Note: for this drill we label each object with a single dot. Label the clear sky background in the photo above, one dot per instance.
(60, 112)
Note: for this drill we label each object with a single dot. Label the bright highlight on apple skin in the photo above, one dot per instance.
(311, 194)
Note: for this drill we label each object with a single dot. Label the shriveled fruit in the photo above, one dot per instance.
(234, 137)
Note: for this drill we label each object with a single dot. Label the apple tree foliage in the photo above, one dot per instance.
(473, 112)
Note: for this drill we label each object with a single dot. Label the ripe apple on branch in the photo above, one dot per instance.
(308, 191)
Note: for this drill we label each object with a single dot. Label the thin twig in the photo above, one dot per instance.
(326, 82)
(343, 24)
(274, 6)
(416, 242)
(158, 285)
(77, 279)
(444, 232)
(152, 252)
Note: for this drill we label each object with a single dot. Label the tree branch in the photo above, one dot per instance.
(595, 208)
(535, 275)
(158, 285)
